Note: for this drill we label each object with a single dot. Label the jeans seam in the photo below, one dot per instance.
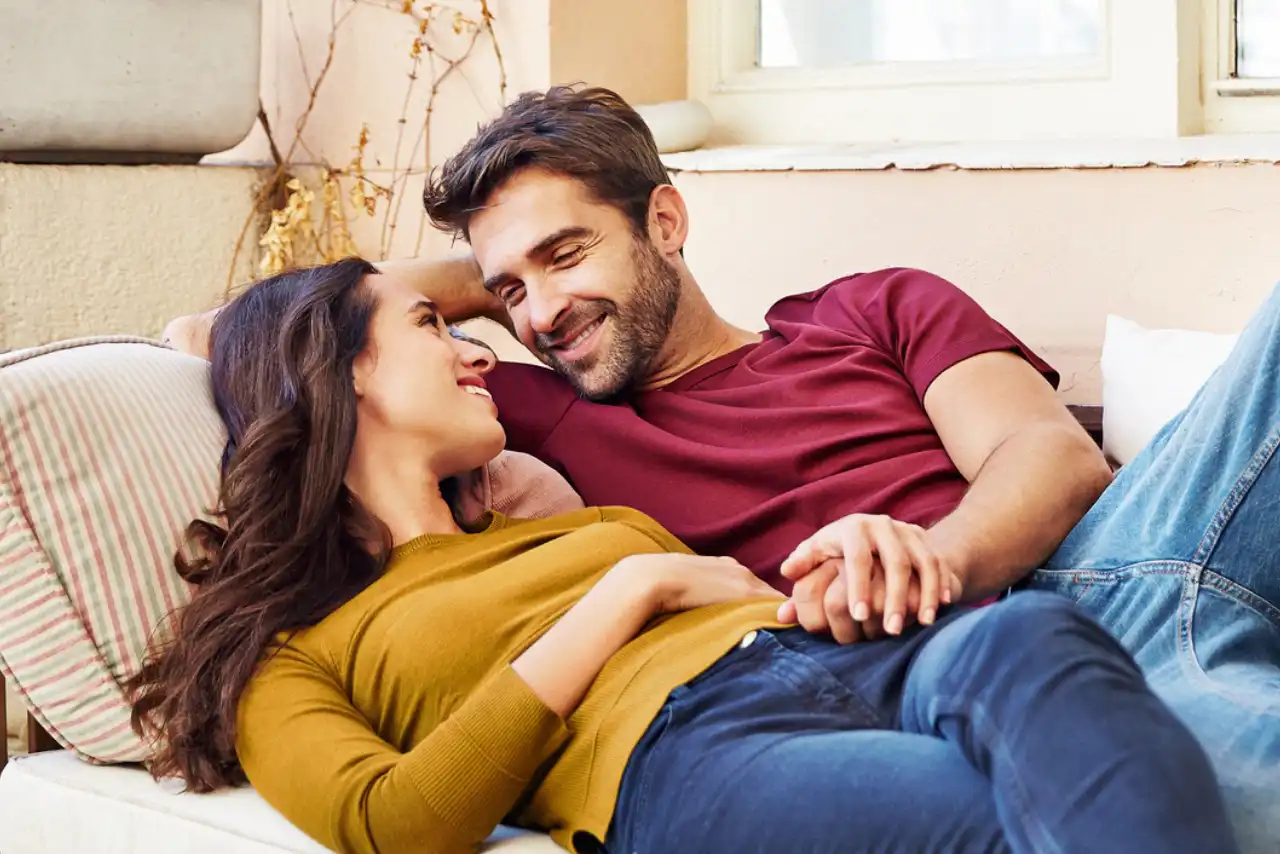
(1189, 660)
(1137, 569)
(1036, 832)
(1239, 594)
(1209, 542)
(644, 785)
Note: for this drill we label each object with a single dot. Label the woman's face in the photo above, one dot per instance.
(415, 381)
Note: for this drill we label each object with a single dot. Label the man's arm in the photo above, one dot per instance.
(1033, 470)
(453, 282)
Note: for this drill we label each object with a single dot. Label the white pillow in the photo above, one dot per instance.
(1148, 377)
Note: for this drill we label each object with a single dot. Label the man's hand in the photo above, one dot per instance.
(863, 572)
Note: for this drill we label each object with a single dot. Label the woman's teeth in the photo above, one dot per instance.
(475, 389)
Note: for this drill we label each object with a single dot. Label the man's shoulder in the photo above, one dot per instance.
(868, 284)
(875, 294)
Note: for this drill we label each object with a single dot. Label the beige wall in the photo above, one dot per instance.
(634, 47)
(114, 249)
(1047, 252)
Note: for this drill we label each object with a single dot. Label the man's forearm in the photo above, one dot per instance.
(453, 282)
(1027, 497)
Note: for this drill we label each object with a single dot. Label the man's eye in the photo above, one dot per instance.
(568, 257)
(511, 293)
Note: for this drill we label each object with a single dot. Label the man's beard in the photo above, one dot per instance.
(639, 329)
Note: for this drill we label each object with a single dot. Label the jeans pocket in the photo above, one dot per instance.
(1074, 584)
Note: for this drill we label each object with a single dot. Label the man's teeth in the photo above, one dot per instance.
(475, 389)
(586, 333)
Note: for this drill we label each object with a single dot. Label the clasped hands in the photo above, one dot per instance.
(863, 577)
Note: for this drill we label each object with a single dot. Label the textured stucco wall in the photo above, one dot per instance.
(116, 249)
(1048, 252)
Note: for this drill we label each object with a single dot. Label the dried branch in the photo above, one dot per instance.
(288, 202)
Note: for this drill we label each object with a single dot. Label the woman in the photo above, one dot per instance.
(392, 678)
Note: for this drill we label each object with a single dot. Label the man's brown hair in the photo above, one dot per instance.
(590, 134)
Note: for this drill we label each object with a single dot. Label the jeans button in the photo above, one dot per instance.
(747, 640)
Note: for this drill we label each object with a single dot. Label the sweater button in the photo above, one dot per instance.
(747, 640)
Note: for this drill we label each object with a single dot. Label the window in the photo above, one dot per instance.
(869, 71)
(1242, 66)
(1257, 30)
(838, 33)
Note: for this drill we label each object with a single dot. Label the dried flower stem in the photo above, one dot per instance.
(293, 233)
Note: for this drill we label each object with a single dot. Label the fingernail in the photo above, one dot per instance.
(861, 612)
(928, 616)
(893, 625)
(946, 594)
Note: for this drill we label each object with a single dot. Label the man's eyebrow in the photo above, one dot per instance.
(547, 243)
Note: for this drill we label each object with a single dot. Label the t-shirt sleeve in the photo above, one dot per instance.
(925, 321)
(531, 402)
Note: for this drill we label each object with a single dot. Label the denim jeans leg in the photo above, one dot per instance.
(769, 754)
(1179, 560)
(1081, 755)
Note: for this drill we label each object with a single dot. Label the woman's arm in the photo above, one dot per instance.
(316, 759)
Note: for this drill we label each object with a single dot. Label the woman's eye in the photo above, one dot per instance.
(429, 318)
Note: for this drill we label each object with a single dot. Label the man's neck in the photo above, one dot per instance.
(697, 336)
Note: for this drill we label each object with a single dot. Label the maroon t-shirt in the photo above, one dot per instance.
(751, 453)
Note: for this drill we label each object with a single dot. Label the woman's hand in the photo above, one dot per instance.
(680, 582)
(863, 569)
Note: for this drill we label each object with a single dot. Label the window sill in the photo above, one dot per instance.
(1051, 154)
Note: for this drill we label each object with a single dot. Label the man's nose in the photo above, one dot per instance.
(546, 307)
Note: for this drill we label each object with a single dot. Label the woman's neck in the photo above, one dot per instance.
(399, 488)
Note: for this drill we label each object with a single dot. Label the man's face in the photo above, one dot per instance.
(589, 296)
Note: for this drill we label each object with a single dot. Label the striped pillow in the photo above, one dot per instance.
(109, 447)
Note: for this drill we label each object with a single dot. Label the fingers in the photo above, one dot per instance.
(896, 563)
(800, 562)
(929, 573)
(839, 621)
(859, 563)
(808, 595)
(810, 554)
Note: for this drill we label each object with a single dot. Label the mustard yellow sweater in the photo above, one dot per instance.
(397, 723)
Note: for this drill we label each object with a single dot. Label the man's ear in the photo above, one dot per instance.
(668, 219)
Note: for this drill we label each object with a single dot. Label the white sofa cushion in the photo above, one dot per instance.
(54, 803)
(1148, 377)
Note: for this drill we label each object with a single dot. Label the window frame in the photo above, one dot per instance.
(1233, 104)
(1160, 74)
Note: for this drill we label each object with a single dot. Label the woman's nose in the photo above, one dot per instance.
(476, 355)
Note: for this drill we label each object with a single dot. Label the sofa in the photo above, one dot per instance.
(108, 448)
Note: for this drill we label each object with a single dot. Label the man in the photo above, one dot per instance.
(884, 420)
(883, 428)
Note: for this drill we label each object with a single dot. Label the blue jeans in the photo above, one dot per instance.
(1022, 727)
(1180, 560)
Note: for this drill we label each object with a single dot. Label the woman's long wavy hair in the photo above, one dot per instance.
(296, 543)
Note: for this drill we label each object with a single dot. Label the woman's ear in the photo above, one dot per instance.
(361, 369)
